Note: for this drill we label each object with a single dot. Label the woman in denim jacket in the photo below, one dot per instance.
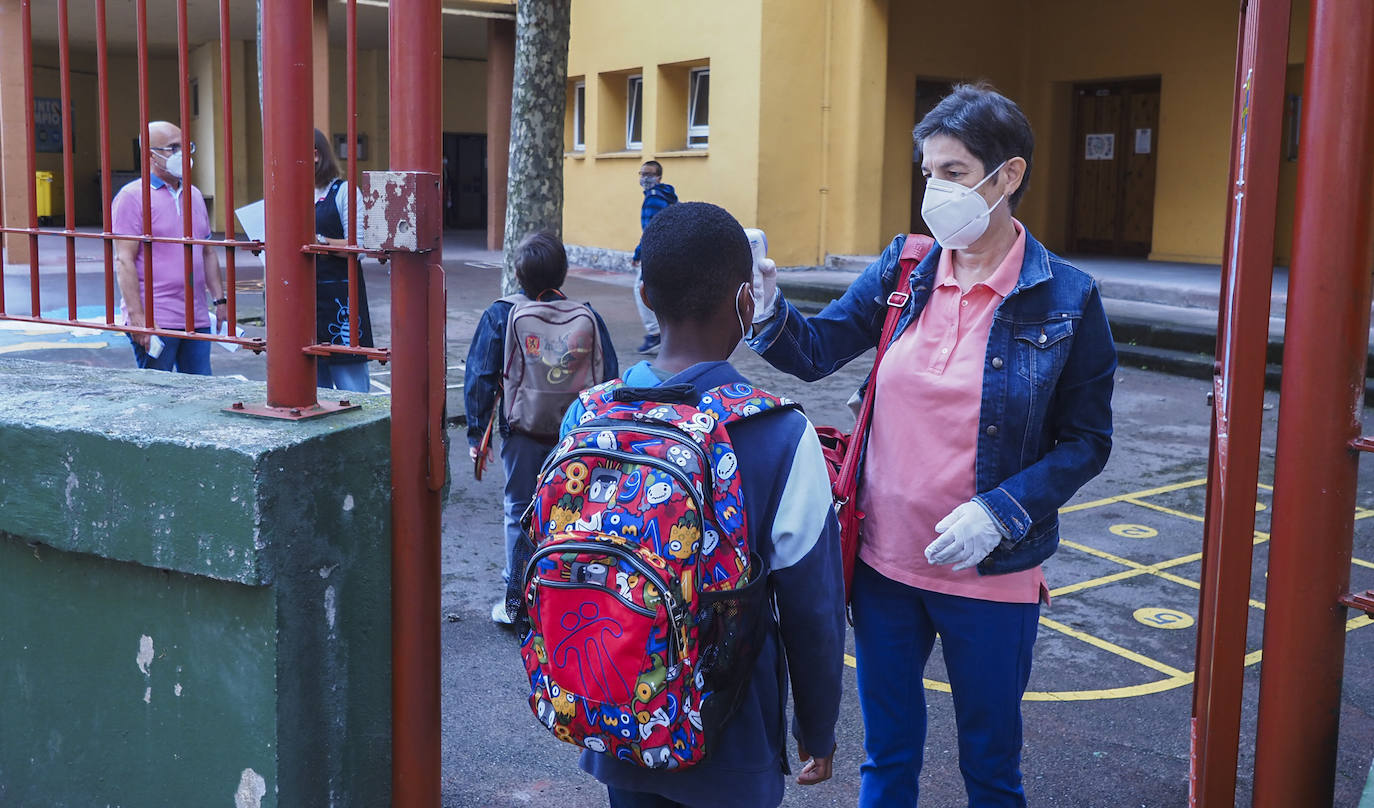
(992, 407)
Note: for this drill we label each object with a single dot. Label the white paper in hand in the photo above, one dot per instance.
(253, 218)
(222, 329)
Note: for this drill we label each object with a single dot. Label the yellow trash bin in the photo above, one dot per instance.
(43, 194)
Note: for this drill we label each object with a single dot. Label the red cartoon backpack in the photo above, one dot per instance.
(644, 599)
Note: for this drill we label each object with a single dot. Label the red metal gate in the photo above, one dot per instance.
(1325, 349)
(419, 462)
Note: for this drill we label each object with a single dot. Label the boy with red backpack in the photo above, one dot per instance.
(531, 354)
(684, 556)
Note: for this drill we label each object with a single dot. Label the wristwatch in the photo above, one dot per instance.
(220, 302)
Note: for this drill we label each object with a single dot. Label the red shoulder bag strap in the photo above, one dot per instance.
(913, 252)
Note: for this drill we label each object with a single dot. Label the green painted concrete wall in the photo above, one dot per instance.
(193, 604)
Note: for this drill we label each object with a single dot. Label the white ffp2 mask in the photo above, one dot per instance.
(957, 215)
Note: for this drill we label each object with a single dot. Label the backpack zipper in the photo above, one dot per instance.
(673, 608)
(629, 604)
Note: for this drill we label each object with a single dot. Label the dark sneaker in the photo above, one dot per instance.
(650, 344)
(499, 615)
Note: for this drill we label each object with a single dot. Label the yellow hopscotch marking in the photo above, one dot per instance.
(1162, 509)
(1150, 492)
(1174, 678)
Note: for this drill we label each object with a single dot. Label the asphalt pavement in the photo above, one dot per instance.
(1107, 715)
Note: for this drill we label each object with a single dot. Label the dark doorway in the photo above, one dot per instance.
(928, 94)
(1116, 143)
(465, 181)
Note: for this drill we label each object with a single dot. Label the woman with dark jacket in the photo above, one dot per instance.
(992, 407)
(339, 371)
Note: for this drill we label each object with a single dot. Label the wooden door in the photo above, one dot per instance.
(1116, 134)
(928, 94)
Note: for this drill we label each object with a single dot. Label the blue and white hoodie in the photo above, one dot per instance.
(792, 526)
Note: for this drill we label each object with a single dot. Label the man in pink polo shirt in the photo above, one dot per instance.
(170, 162)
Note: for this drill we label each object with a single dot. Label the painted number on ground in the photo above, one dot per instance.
(1163, 618)
(1134, 531)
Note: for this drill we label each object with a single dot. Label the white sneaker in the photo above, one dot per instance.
(499, 615)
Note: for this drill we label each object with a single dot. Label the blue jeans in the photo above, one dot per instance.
(352, 376)
(620, 798)
(521, 456)
(182, 355)
(987, 650)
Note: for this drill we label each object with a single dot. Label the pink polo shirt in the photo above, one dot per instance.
(169, 277)
(921, 453)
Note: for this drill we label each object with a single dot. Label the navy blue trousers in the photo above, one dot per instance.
(987, 651)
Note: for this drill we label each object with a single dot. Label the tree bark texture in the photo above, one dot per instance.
(534, 191)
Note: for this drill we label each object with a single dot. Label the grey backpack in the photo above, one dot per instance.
(553, 352)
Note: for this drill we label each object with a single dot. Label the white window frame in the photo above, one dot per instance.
(634, 87)
(699, 136)
(580, 116)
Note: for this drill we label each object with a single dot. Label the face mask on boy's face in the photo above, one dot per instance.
(647, 181)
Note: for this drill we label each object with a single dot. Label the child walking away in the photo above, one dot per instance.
(532, 354)
(684, 557)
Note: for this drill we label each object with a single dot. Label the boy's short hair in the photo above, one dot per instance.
(694, 255)
(657, 166)
(541, 262)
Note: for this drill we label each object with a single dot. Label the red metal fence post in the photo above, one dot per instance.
(1238, 396)
(289, 182)
(1320, 406)
(417, 461)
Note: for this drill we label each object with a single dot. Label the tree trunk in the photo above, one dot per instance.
(534, 195)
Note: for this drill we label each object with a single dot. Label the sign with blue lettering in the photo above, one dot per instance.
(47, 125)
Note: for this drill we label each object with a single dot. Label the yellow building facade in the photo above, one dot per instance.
(812, 103)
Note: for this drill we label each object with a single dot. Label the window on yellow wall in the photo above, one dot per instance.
(634, 113)
(580, 116)
(699, 109)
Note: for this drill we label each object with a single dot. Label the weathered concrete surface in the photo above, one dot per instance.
(193, 604)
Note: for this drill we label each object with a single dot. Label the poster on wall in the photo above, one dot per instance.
(1100, 147)
(47, 125)
(1142, 140)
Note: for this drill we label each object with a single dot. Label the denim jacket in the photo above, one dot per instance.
(1045, 419)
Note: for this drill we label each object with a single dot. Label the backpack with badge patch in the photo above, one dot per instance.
(553, 351)
(645, 602)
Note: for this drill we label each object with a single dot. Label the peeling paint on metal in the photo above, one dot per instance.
(348, 502)
(148, 695)
(71, 486)
(145, 653)
(252, 788)
(325, 572)
(177, 689)
(329, 606)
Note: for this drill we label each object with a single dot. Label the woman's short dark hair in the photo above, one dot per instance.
(990, 125)
(327, 169)
(541, 263)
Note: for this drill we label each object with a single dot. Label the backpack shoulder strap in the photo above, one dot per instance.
(730, 403)
(515, 299)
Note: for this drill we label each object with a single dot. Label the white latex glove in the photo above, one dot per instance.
(765, 289)
(966, 537)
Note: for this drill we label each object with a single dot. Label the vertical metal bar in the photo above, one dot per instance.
(352, 134)
(106, 181)
(1238, 391)
(31, 156)
(288, 138)
(227, 97)
(64, 60)
(414, 54)
(193, 302)
(145, 161)
(1320, 402)
(500, 87)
